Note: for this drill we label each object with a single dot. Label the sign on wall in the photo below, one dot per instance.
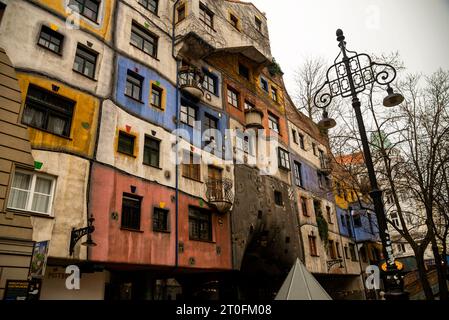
(16, 290)
(39, 259)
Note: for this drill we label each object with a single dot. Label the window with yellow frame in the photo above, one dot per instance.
(158, 95)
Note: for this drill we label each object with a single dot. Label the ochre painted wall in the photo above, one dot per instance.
(84, 121)
(102, 27)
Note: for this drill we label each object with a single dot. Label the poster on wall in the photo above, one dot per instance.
(39, 259)
(16, 290)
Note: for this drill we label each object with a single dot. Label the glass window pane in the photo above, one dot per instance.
(43, 186)
(21, 181)
(40, 203)
(18, 199)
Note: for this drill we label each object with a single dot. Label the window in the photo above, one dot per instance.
(295, 136)
(151, 152)
(181, 10)
(200, 226)
(322, 158)
(243, 71)
(320, 179)
(126, 143)
(357, 220)
(87, 8)
(234, 21)
(47, 111)
(353, 252)
(191, 167)
(210, 122)
(363, 254)
(284, 159)
(206, 16)
(215, 183)
(2, 10)
(278, 198)
(151, 5)
(348, 223)
(317, 207)
(32, 192)
(156, 96)
(143, 39)
(50, 39)
(249, 105)
(347, 252)
(274, 94)
(258, 23)
(134, 86)
(305, 212)
(188, 115)
(131, 212)
(85, 61)
(298, 173)
(210, 82)
(160, 220)
(273, 122)
(264, 84)
(395, 219)
(331, 248)
(301, 141)
(343, 220)
(243, 142)
(329, 214)
(233, 98)
(370, 222)
(210, 125)
(314, 148)
(312, 246)
(401, 247)
(337, 247)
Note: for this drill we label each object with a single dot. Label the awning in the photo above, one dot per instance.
(301, 285)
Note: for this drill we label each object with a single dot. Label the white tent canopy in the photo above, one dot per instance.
(301, 285)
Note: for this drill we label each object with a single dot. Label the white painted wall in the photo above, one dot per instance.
(19, 37)
(92, 285)
(69, 202)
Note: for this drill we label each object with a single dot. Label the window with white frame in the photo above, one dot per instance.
(32, 192)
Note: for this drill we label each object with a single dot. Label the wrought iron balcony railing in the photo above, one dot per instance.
(219, 194)
(191, 80)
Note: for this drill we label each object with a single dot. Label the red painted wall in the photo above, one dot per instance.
(115, 245)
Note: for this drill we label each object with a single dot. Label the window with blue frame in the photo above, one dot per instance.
(210, 82)
(188, 114)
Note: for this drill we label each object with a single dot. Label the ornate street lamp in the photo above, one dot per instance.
(77, 234)
(347, 78)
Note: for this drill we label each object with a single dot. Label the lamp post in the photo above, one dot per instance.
(347, 78)
(77, 234)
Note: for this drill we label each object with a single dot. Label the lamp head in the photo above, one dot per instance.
(326, 123)
(393, 99)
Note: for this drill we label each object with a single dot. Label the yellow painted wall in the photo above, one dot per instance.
(340, 200)
(82, 140)
(102, 28)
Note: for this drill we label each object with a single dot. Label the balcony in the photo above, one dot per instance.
(219, 194)
(191, 81)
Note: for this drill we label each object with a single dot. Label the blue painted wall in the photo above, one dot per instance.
(144, 110)
(364, 233)
(163, 118)
(310, 177)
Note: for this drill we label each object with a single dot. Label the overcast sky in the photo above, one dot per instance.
(418, 29)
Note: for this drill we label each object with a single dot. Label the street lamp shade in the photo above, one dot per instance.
(326, 123)
(393, 99)
(89, 243)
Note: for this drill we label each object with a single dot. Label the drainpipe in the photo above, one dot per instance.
(176, 150)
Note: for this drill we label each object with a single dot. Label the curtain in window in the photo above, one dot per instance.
(41, 198)
(33, 117)
(56, 125)
(19, 191)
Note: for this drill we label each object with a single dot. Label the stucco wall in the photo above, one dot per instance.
(148, 247)
(20, 38)
(69, 202)
(84, 121)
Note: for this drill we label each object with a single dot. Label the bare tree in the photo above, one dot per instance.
(308, 77)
